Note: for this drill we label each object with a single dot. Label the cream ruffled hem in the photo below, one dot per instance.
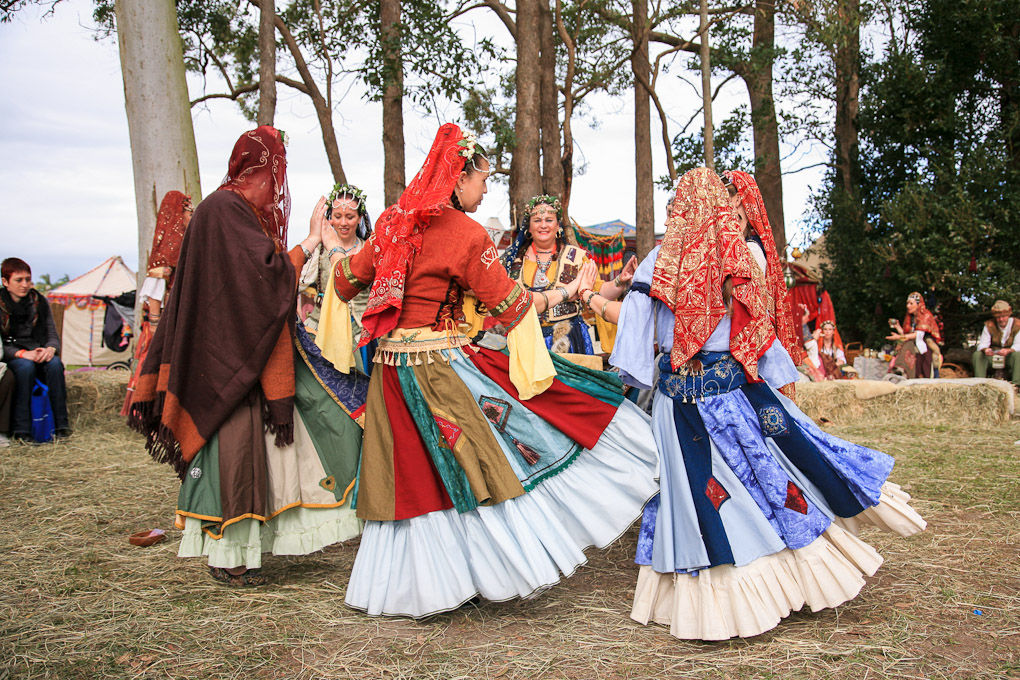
(298, 531)
(727, 601)
(893, 513)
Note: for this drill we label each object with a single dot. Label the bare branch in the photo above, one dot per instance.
(233, 94)
(809, 167)
(325, 55)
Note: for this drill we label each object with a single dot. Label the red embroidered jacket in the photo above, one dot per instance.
(456, 255)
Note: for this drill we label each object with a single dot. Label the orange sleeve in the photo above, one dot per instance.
(482, 273)
(355, 273)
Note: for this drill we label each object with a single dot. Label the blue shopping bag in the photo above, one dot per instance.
(42, 413)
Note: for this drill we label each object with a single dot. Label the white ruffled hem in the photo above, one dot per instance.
(297, 531)
(727, 601)
(435, 562)
(893, 513)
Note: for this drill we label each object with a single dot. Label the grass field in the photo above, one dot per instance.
(77, 601)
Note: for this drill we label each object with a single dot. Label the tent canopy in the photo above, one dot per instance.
(612, 227)
(109, 279)
(79, 312)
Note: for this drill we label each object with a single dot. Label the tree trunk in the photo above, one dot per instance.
(767, 171)
(267, 63)
(552, 168)
(525, 175)
(848, 88)
(323, 110)
(163, 153)
(706, 85)
(393, 102)
(644, 184)
(567, 158)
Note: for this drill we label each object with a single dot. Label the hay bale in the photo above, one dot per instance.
(95, 396)
(933, 402)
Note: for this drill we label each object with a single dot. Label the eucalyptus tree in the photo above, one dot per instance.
(560, 53)
(397, 49)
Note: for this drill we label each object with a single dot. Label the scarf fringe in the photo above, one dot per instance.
(284, 431)
(159, 439)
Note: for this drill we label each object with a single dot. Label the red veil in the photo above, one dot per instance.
(703, 247)
(258, 173)
(924, 320)
(398, 233)
(779, 300)
(170, 227)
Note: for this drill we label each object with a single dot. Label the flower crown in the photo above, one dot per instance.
(348, 190)
(551, 201)
(829, 324)
(916, 297)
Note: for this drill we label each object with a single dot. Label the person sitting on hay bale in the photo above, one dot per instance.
(999, 343)
(31, 348)
(825, 355)
(919, 355)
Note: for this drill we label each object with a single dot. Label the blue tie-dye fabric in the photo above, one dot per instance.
(864, 470)
(733, 426)
(646, 537)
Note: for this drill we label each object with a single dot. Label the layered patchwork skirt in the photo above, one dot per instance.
(468, 491)
(758, 510)
(243, 496)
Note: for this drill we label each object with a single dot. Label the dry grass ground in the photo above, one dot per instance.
(77, 601)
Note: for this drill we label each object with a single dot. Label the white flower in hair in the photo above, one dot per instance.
(468, 145)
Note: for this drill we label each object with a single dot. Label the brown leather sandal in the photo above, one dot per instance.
(250, 578)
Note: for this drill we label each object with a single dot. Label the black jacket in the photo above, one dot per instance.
(27, 324)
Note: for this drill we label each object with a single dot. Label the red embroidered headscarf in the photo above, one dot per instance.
(258, 173)
(703, 246)
(775, 285)
(170, 228)
(398, 233)
(924, 320)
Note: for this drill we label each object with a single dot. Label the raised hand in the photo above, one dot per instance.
(627, 275)
(318, 225)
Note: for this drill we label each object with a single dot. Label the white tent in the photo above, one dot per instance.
(497, 232)
(83, 313)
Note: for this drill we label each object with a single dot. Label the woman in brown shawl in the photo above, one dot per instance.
(920, 335)
(220, 396)
(171, 222)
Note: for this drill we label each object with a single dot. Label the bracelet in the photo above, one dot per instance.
(333, 251)
(604, 305)
(542, 293)
(564, 293)
(308, 253)
(588, 301)
(20, 353)
(616, 282)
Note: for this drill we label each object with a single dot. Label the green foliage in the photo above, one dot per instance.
(731, 143)
(44, 283)
(939, 202)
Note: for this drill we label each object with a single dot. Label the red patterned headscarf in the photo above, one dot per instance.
(398, 233)
(924, 320)
(170, 227)
(258, 173)
(703, 246)
(779, 301)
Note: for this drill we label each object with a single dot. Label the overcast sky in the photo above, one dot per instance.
(66, 183)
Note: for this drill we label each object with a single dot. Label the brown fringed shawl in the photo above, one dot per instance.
(226, 330)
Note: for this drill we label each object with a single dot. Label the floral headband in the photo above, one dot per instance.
(828, 324)
(531, 207)
(347, 190)
(916, 297)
